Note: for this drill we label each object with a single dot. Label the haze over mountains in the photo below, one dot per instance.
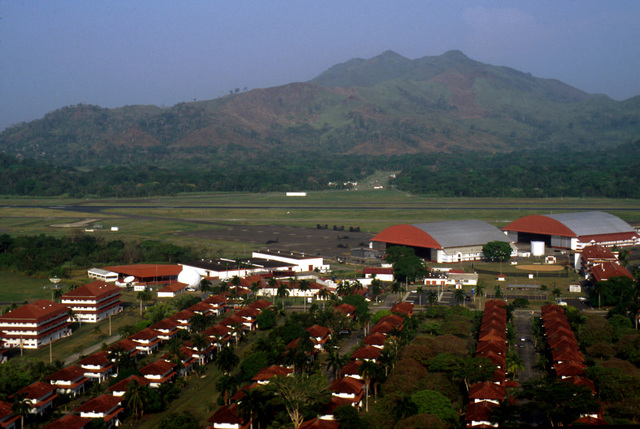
(385, 105)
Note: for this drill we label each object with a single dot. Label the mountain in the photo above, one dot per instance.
(385, 105)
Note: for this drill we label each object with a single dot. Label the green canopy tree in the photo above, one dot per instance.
(497, 251)
(407, 267)
(299, 394)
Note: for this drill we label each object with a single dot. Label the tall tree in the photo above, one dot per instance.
(367, 371)
(227, 360)
(298, 393)
(304, 286)
(143, 296)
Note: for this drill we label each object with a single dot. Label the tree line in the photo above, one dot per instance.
(43, 254)
(530, 174)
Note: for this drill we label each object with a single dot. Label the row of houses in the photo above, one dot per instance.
(348, 389)
(100, 366)
(567, 362)
(492, 344)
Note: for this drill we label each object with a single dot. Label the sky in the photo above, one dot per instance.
(111, 53)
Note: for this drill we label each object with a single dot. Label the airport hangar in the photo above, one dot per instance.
(573, 231)
(442, 242)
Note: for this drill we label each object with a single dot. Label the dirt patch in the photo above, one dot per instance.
(79, 224)
(327, 243)
(540, 267)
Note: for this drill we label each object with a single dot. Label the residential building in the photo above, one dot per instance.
(35, 325)
(93, 302)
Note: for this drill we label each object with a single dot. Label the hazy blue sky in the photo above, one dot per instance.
(113, 53)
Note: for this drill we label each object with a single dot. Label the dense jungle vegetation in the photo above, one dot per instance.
(600, 173)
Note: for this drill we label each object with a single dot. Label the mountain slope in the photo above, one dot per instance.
(383, 105)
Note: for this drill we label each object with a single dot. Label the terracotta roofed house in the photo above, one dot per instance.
(35, 325)
(97, 366)
(147, 340)
(265, 374)
(70, 421)
(158, 372)
(121, 387)
(227, 417)
(70, 380)
(105, 407)
(93, 302)
(8, 420)
(40, 396)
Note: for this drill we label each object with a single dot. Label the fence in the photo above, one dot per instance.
(563, 273)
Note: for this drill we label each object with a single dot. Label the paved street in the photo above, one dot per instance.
(522, 320)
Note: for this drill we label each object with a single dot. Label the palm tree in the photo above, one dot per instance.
(404, 407)
(198, 322)
(420, 291)
(205, 285)
(255, 287)
(556, 292)
(304, 286)
(136, 398)
(57, 294)
(504, 415)
(201, 343)
(387, 359)
(344, 288)
(143, 296)
(459, 295)
(498, 291)
(480, 287)
(175, 351)
(396, 287)
(432, 297)
(367, 371)
(335, 362)
(376, 287)
(324, 294)
(253, 404)
(513, 363)
(225, 385)
(283, 292)
(21, 406)
(227, 360)
(364, 320)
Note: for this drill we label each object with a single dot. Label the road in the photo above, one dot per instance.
(90, 350)
(526, 349)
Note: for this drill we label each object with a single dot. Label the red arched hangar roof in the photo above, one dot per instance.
(540, 224)
(407, 235)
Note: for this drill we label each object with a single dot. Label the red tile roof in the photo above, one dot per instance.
(146, 270)
(366, 352)
(318, 331)
(479, 411)
(376, 339)
(70, 421)
(39, 310)
(261, 304)
(95, 289)
(486, 390)
(37, 390)
(159, 367)
(102, 404)
(392, 319)
(270, 372)
(346, 385)
(403, 307)
(69, 373)
(123, 385)
(318, 423)
(608, 270)
(347, 309)
(227, 414)
(174, 287)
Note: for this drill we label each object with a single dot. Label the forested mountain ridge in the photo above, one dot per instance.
(386, 105)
